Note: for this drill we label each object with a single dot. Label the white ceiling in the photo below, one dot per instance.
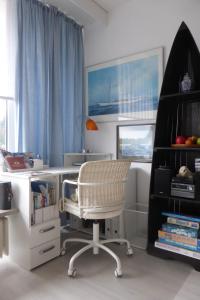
(87, 11)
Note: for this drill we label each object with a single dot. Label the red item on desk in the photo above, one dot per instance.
(15, 162)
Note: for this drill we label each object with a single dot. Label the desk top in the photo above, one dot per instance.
(42, 173)
(4, 213)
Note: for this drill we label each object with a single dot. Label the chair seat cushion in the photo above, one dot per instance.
(92, 213)
(72, 207)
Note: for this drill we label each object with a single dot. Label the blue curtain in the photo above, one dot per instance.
(49, 82)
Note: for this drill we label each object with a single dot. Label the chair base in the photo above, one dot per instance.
(96, 244)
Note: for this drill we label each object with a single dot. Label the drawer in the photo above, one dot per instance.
(44, 232)
(45, 252)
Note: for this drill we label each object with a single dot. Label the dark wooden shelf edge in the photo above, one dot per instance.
(193, 201)
(176, 149)
(165, 254)
(182, 95)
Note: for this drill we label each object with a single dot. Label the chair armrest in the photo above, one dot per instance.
(73, 182)
(66, 181)
(102, 183)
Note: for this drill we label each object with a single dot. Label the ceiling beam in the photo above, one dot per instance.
(90, 8)
(83, 11)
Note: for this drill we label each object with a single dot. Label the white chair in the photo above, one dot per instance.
(100, 195)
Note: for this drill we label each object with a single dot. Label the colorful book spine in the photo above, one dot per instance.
(178, 250)
(178, 244)
(178, 238)
(183, 223)
(180, 230)
(183, 217)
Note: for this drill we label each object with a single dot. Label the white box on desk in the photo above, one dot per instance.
(37, 164)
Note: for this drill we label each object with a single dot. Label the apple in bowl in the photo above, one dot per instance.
(180, 139)
(189, 141)
(194, 139)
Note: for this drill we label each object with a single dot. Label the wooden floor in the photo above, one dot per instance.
(145, 278)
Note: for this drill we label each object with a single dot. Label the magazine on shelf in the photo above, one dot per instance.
(178, 250)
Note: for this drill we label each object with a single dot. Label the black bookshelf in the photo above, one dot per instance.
(178, 114)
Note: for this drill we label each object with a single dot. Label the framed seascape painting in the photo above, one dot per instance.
(125, 89)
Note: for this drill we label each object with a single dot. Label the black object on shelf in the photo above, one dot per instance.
(162, 180)
(178, 115)
(5, 195)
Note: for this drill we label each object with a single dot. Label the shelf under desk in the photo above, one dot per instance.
(5, 213)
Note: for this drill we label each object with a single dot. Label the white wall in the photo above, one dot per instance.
(134, 27)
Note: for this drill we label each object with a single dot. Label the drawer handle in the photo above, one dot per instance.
(46, 229)
(46, 250)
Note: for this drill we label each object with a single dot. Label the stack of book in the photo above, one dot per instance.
(180, 235)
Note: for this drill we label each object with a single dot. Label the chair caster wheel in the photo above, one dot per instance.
(63, 252)
(72, 273)
(129, 252)
(118, 273)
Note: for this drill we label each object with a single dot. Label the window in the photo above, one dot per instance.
(7, 69)
(3, 125)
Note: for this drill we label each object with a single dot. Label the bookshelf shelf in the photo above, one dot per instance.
(192, 96)
(193, 149)
(178, 199)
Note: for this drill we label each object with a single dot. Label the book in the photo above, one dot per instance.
(183, 217)
(183, 223)
(15, 162)
(178, 250)
(179, 238)
(180, 230)
(179, 244)
(183, 220)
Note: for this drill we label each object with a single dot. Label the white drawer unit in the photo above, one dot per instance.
(45, 252)
(34, 238)
(45, 232)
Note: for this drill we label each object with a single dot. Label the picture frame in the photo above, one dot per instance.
(135, 142)
(127, 88)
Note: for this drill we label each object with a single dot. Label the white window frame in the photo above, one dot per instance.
(6, 99)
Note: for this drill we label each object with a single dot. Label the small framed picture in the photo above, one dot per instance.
(135, 142)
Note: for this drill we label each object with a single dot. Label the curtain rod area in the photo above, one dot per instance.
(45, 3)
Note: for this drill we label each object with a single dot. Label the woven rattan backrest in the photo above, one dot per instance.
(107, 179)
